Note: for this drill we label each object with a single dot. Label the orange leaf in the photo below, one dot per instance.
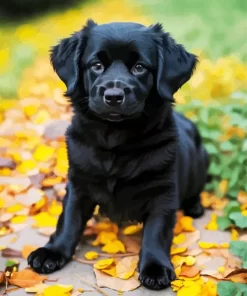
(26, 278)
(27, 249)
(189, 271)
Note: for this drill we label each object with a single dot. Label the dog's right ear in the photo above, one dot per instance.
(65, 57)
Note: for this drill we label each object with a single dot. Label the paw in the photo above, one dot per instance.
(44, 260)
(195, 211)
(156, 276)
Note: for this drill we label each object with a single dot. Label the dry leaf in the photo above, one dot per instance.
(8, 252)
(26, 278)
(104, 237)
(104, 280)
(46, 231)
(27, 250)
(126, 267)
(189, 271)
(175, 250)
(6, 217)
(110, 270)
(212, 224)
(55, 208)
(178, 239)
(19, 219)
(132, 243)
(39, 288)
(32, 196)
(186, 224)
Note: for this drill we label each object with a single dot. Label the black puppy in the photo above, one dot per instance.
(128, 150)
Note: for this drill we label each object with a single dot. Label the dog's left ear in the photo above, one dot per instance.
(175, 64)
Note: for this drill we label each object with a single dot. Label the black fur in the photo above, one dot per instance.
(139, 160)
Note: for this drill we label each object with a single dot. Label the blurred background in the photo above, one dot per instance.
(215, 97)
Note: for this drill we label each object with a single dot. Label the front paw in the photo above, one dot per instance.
(156, 276)
(44, 260)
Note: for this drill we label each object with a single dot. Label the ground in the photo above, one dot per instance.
(67, 275)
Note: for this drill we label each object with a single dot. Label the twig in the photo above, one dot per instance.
(92, 285)
(118, 255)
(83, 261)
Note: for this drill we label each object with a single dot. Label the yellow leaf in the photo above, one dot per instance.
(19, 219)
(44, 153)
(212, 225)
(207, 245)
(104, 263)
(234, 234)
(132, 229)
(223, 186)
(55, 208)
(58, 290)
(26, 166)
(126, 267)
(192, 290)
(176, 285)
(178, 239)
(51, 181)
(91, 255)
(244, 213)
(15, 208)
(104, 237)
(224, 245)
(190, 260)
(2, 202)
(106, 226)
(110, 270)
(114, 247)
(209, 289)
(187, 223)
(175, 251)
(44, 220)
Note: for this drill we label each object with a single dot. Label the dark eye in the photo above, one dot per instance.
(138, 69)
(97, 67)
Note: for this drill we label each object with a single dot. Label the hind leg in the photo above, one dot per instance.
(192, 207)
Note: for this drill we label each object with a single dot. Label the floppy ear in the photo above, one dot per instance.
(175, 65)
(65, 57)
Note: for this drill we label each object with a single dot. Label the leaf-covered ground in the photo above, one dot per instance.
(209, 255)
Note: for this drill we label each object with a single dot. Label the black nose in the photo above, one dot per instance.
(114, 97)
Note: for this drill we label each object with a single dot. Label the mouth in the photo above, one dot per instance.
(114, 116)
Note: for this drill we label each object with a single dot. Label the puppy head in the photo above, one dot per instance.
(111, 69)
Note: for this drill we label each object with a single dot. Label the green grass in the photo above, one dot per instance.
(218, 27)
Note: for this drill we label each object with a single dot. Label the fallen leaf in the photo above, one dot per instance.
(132, 243)
(212, 225)
(19, 219)
(104, 280)
(104, 237)
(178, 239)
(106, 227)
(110, 271)
(193, 289)
(238, 276)
(114, 247)
(242, 197)
(186, 224)
(8, 252)
(207, 245)
(189, 271)
(44, 220)
(132, 229)
(55, 208)
(6, 217)
(91, 255)
(39, 288)
(27, 250)
(126, 267)
(59, 290)
(46, 231)
(175, 250)
(32, 196)
(104, 263)
(26, 278)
